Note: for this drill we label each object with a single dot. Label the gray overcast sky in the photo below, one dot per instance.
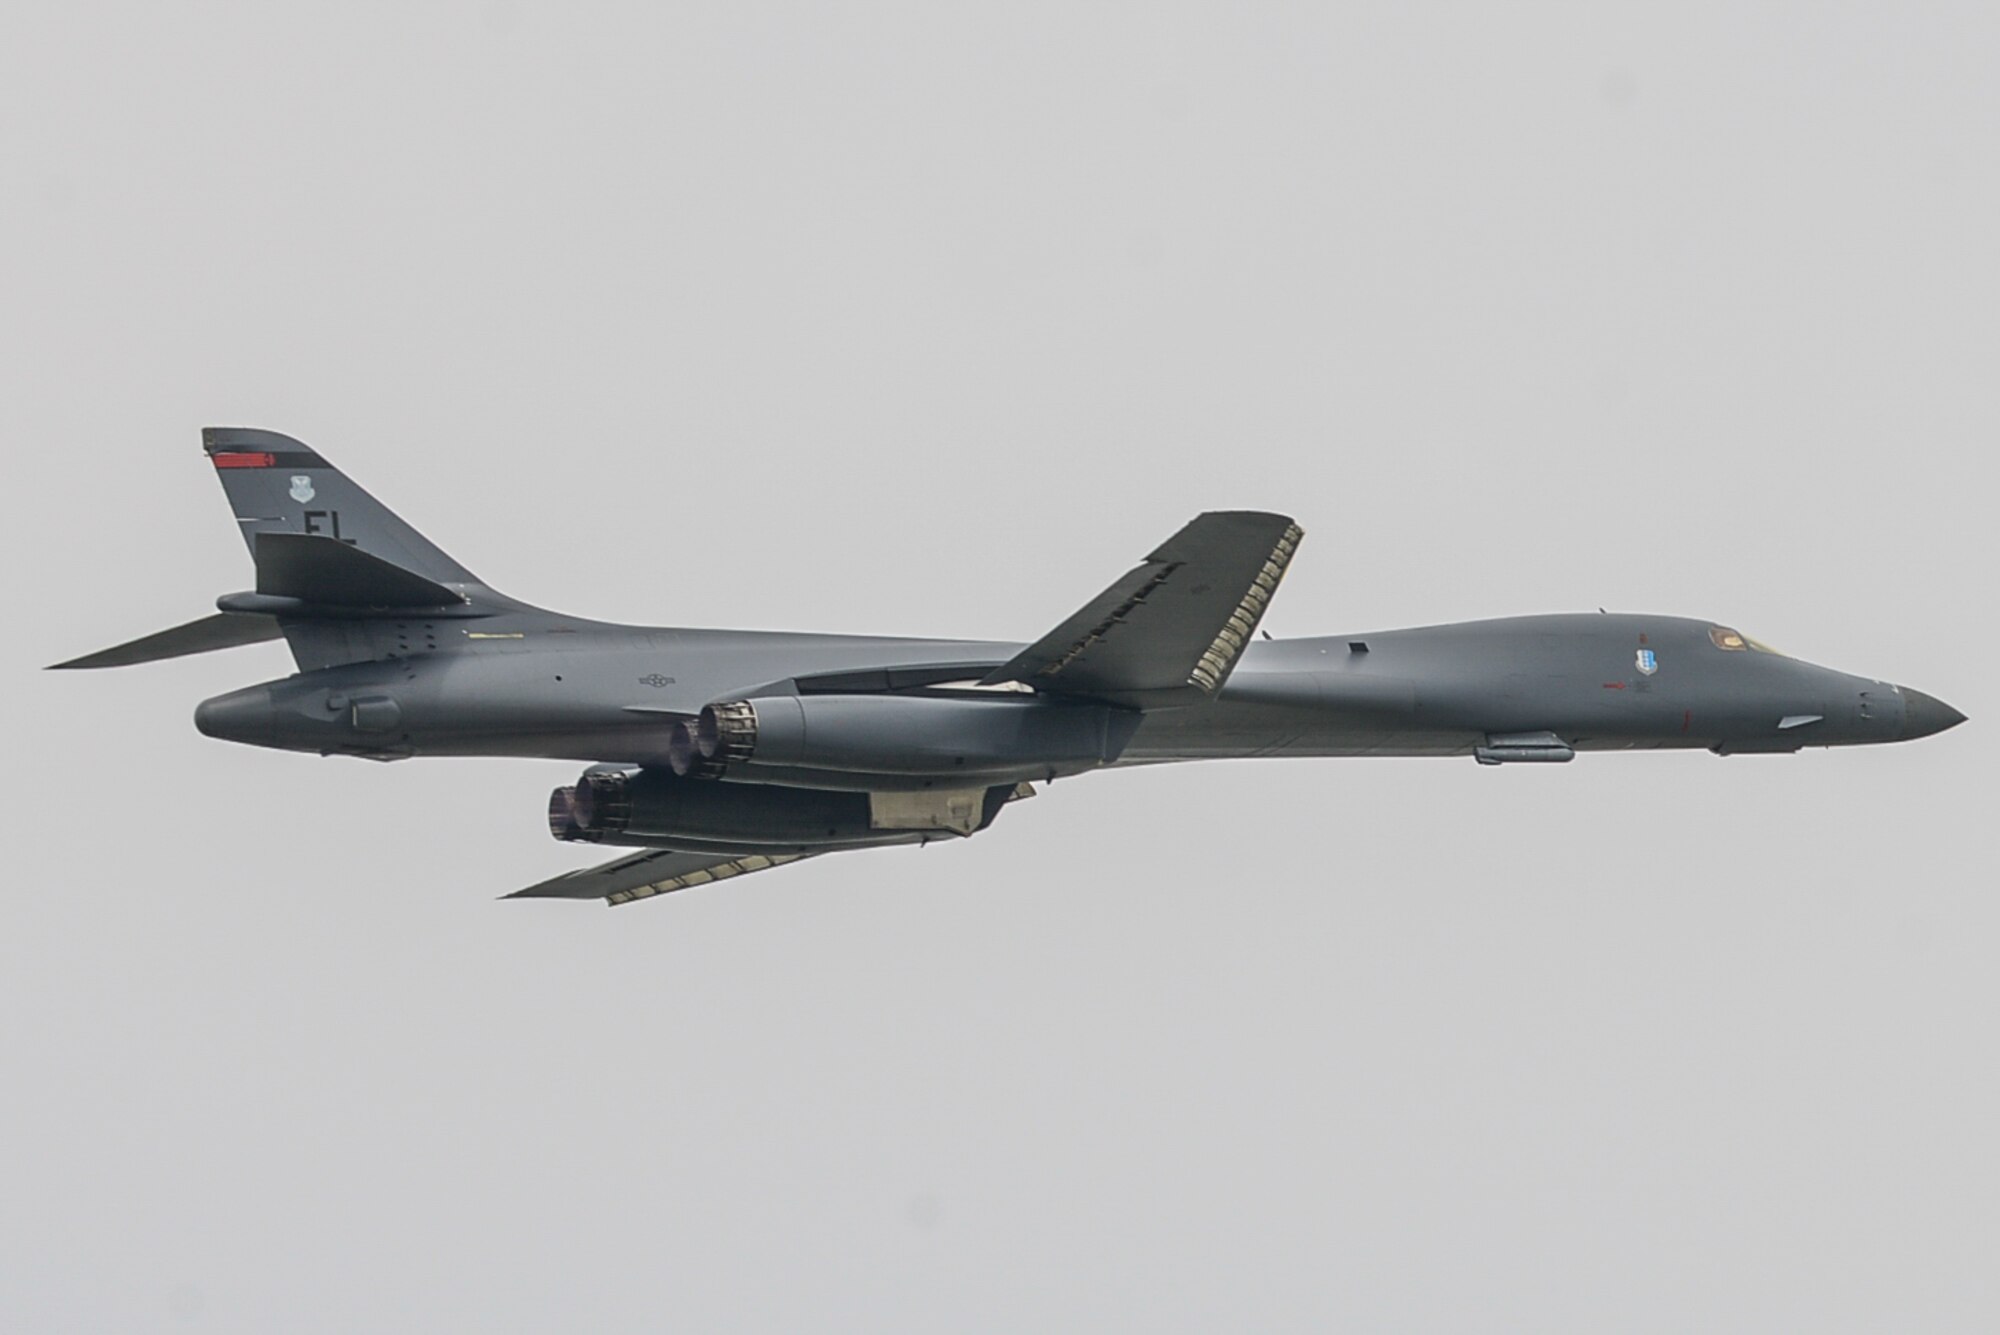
(929, 320)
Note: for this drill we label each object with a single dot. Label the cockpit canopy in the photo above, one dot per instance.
(1735, 641)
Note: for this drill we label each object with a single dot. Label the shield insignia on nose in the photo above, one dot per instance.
(1646, 662)
(302, 488)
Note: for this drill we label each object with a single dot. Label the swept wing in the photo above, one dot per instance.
(653, 872)
(1171, 629)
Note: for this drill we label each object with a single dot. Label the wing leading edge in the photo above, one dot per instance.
(1173, 625)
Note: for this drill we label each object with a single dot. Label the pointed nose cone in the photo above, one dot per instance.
(1924, 715)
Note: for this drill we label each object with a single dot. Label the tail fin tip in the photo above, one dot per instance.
(228, 442)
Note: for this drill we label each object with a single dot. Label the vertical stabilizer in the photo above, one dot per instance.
(277, 485)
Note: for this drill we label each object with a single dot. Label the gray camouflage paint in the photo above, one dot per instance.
(479, 674)
(577, 690)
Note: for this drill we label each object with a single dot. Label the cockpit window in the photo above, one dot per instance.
(1733, 640)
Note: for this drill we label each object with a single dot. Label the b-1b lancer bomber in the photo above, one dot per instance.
(720, 752)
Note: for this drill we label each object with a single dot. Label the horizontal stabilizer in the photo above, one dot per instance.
(1176, 623)
(224, 630)
(327, 572)
(654, 872)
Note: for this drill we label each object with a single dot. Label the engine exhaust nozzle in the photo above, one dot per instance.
(562, 815)
(727, 733)
(601, 805)
(684, 755)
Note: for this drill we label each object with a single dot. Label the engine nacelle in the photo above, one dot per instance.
(646, 808)
(989, 741)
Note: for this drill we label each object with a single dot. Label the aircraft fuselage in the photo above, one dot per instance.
(537, 685)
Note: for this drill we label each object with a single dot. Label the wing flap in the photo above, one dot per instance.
(1175, 623)
(652, 872)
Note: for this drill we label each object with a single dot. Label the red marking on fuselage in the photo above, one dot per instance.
(256, 459)
(1687, 719)
(1614, 685)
